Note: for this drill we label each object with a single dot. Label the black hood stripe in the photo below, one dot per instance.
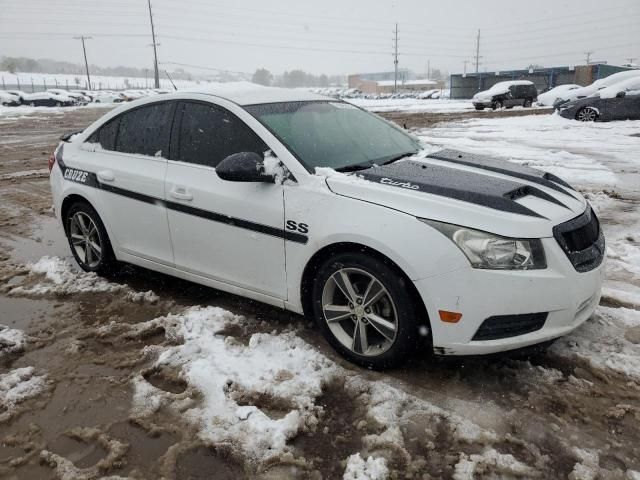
(91, 180)
(467, 186)
(485, 162)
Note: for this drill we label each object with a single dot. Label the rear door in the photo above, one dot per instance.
(231, 232)
(131, 166)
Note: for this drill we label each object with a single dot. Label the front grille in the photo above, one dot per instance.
(582, 240)
(506, 326)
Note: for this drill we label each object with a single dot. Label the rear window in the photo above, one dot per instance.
(146, 130)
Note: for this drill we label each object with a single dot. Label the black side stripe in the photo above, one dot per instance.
(92, 181)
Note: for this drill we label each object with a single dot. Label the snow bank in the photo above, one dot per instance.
(412, 105)
(62, 278)
(501, 466)
(370, 469)
(11, 340)
(42, 172)
(17, 386)
(608, 341)
(283, 369)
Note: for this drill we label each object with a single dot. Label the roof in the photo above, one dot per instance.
(390, 83)
(246, 93)
(510, 83)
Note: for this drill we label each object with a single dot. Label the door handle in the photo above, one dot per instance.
(181, 193)
(106, 176)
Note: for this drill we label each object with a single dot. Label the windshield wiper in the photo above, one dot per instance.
(399, 157)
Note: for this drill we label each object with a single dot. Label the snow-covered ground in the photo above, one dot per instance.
(61, 80)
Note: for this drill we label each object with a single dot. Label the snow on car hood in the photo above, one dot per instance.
(472, 190)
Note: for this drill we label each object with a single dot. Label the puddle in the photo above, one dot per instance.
(24, 313)
(166, 380)
(47, 238)
(200, 464)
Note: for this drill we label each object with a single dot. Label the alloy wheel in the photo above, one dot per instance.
(85, 239)
(359, 311)
(587, 114)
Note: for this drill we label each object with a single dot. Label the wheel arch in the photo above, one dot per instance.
(306, 283)
(70, 200)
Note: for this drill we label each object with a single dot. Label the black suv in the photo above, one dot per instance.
(506, 94)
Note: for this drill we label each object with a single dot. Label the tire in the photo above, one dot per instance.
(497, 105)
(527, 103)
(479, 108)
(82, 222)
(587, 114)
(58, 104)
(373, 321)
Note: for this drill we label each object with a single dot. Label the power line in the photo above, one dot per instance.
(86, 63)
(477, 56)
(395, 60)
(156, 75)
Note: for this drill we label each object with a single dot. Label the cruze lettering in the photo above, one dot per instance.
(75, 175)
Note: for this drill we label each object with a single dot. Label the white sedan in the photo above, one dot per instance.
(316, 206)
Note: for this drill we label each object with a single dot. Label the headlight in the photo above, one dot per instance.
(493, 252)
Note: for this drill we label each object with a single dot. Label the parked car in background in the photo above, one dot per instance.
(48, 99)
(584, 92)
(79, 98)
(617, 102)
(19, 93)
(8, 99)
(506, 94)
(550, 97)
(108, 97)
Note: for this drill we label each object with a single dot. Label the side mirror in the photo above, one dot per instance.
(243, 167)
(621, 94)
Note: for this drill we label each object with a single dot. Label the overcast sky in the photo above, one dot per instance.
(324, 36)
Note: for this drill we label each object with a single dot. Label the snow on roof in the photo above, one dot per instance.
(509, 83)
(390, 83)
(247, 93)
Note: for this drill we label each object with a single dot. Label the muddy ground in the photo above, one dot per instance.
(81, 426)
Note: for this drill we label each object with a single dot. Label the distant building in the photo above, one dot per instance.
(384, 82)
(467, 85)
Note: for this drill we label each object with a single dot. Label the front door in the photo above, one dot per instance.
(231, 232)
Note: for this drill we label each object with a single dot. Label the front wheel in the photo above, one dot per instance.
(527, 103)
(497, 105)
(365, 310)
(587, 114)
(88, 239)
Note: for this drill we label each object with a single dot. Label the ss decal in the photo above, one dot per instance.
(297, 227)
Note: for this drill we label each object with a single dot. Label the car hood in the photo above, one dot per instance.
(476, 191)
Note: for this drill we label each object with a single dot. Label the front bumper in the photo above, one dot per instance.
(568, 297)
(482, 103)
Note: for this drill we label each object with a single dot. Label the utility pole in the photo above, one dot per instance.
(465, 67)
(155, 51)
(395, 59)
(630, 60)
(428, 69)
(86, 64)
(588, 54)
(478, 57)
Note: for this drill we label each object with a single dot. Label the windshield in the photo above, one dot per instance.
(334, 134)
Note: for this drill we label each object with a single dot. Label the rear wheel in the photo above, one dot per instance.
(365, 310)
(587, 114)
(88, 239)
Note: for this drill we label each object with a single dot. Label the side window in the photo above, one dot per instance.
(106, 135)
(513, 89)
(146, 130)
(209, 134)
